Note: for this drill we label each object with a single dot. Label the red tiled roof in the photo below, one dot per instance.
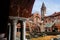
(55, 14)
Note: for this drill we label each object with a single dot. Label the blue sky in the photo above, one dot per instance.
(51, 6)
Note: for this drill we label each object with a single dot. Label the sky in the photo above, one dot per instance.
(51, 6)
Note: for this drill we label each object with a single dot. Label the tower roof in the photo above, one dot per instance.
(43, 5)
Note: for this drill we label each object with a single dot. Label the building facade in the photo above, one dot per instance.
(52, 18)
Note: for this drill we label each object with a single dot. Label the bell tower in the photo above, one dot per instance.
(43, 11)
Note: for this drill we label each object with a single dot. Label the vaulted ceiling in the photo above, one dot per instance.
(24, 6)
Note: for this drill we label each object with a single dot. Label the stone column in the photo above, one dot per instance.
(14, 29)
(9, 28)
(24, 30)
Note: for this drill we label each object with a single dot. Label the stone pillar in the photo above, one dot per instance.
(9, 28)
(24, 30)
(14, 29)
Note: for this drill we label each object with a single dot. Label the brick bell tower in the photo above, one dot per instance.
(43, 11)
